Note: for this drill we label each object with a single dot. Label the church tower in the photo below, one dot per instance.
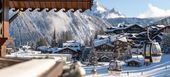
(53, 41)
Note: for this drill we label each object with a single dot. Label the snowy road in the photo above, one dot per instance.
(161, 69)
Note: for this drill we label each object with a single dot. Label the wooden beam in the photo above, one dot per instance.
(5, 26)
(13, 17)
(51, 4)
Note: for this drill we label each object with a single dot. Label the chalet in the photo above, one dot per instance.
(105, 52)
(125, 29)
(114, 31)
(106, 49)
(71, 47)
(75, 54)
(134, 29)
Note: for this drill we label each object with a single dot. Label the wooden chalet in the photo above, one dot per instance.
(75, 54)
(71, 47)
(105, 52)
(134, 29)
(126, 29)
(106, 49)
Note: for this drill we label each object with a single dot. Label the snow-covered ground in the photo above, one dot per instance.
(161, 69)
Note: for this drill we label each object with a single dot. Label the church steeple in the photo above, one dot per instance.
(54, 42)
(54, 35)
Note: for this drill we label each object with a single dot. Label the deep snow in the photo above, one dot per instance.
(161, 69)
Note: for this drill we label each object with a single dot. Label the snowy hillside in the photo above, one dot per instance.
(164, 21)
(30, 26)
(140, 21)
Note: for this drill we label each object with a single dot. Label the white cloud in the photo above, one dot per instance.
(154, 12)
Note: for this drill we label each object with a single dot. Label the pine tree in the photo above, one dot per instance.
(41, 42)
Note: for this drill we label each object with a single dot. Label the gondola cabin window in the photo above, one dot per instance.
(115, 65)
(156, 49)
(156, 52)
(147, 51)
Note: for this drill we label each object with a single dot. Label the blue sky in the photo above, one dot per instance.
(133, 8)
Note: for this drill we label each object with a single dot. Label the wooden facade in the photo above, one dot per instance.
(114, 50)
(129, 29)
(134, 29)
(105, 52)
(75, 54)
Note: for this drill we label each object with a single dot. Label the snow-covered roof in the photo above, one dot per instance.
(102, 36)
(123, 39)
(137, 58)
(22, 53)
(59, 49)
(52, 49)
(100, 42)
(161, 26)
(109, 39)
(42, 48)
(26, 46)
(134, 25)
(72, 44)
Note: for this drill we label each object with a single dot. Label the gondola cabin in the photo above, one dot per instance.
(152, 52)
(115, 66)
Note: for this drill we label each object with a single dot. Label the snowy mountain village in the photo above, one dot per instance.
(116, 50)
(82, 38)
